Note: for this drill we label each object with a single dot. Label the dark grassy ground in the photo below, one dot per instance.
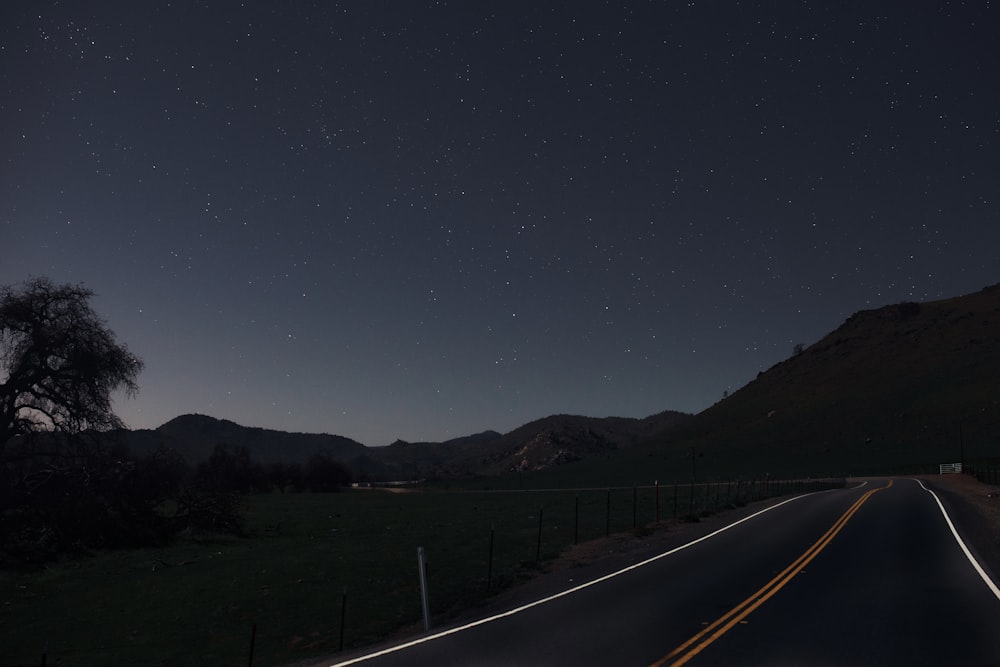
(196, 602)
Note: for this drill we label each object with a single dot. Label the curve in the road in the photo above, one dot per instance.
(893, 558)
(700, 641)
(517, 610)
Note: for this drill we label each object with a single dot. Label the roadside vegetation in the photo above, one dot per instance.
(198, 600)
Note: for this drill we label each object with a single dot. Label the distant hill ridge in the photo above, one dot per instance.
(194, 436)
(542, 443)
(903, 384)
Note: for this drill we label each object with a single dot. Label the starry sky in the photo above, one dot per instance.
(420, 220)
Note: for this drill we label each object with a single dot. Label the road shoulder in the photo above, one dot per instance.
(975, 509)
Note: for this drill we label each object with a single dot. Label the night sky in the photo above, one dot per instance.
(421, 220)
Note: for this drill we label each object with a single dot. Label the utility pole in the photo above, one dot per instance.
(961, 447)
(694, 476)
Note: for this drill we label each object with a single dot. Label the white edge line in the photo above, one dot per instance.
(569, 591)
(968, 554)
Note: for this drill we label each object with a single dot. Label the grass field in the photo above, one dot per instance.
(197, 601)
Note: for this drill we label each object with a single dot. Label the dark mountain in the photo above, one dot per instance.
(543, 443)
(540, 444)
(560, 439)
(903, 385)
(416, 460)
(195, 436)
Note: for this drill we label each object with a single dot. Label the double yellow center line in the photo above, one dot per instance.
(699, 642)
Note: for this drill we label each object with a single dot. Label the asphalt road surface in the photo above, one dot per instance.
(872, 575)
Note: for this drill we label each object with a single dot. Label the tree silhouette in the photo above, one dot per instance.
(232, 469)
(322, 473)
(60, 491)
(59, 362)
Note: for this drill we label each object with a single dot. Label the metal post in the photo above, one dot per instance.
(657, 511)
(576, 520)
(538, 547)
(489, 572)
(607, 516)
(961, 445)
(424, 601)
(343, 615)
(253, 639)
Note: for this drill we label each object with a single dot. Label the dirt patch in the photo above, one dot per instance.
(984, 497)
(975, 509)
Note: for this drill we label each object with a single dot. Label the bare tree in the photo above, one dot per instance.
(59, 362)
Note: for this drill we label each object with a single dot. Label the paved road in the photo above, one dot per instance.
(866, 576)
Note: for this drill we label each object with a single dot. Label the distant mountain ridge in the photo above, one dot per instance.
(543, 443)
(907, 383)
(194, 437)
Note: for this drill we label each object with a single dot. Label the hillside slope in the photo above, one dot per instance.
(894, 388)
(902, 385)
(541, 444)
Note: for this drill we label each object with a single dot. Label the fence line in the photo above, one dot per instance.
(987, 474)
(512, 547)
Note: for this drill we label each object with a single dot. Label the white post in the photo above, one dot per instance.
(422, 570)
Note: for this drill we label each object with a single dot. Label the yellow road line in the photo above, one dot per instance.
(727, 621)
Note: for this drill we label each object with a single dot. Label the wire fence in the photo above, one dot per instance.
(339, 571)
(985, 473)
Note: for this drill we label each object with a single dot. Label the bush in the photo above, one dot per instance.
(322, 473)
(63, 496)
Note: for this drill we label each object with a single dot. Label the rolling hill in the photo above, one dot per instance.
(195, 436)
(543, 443)
(906, 385)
